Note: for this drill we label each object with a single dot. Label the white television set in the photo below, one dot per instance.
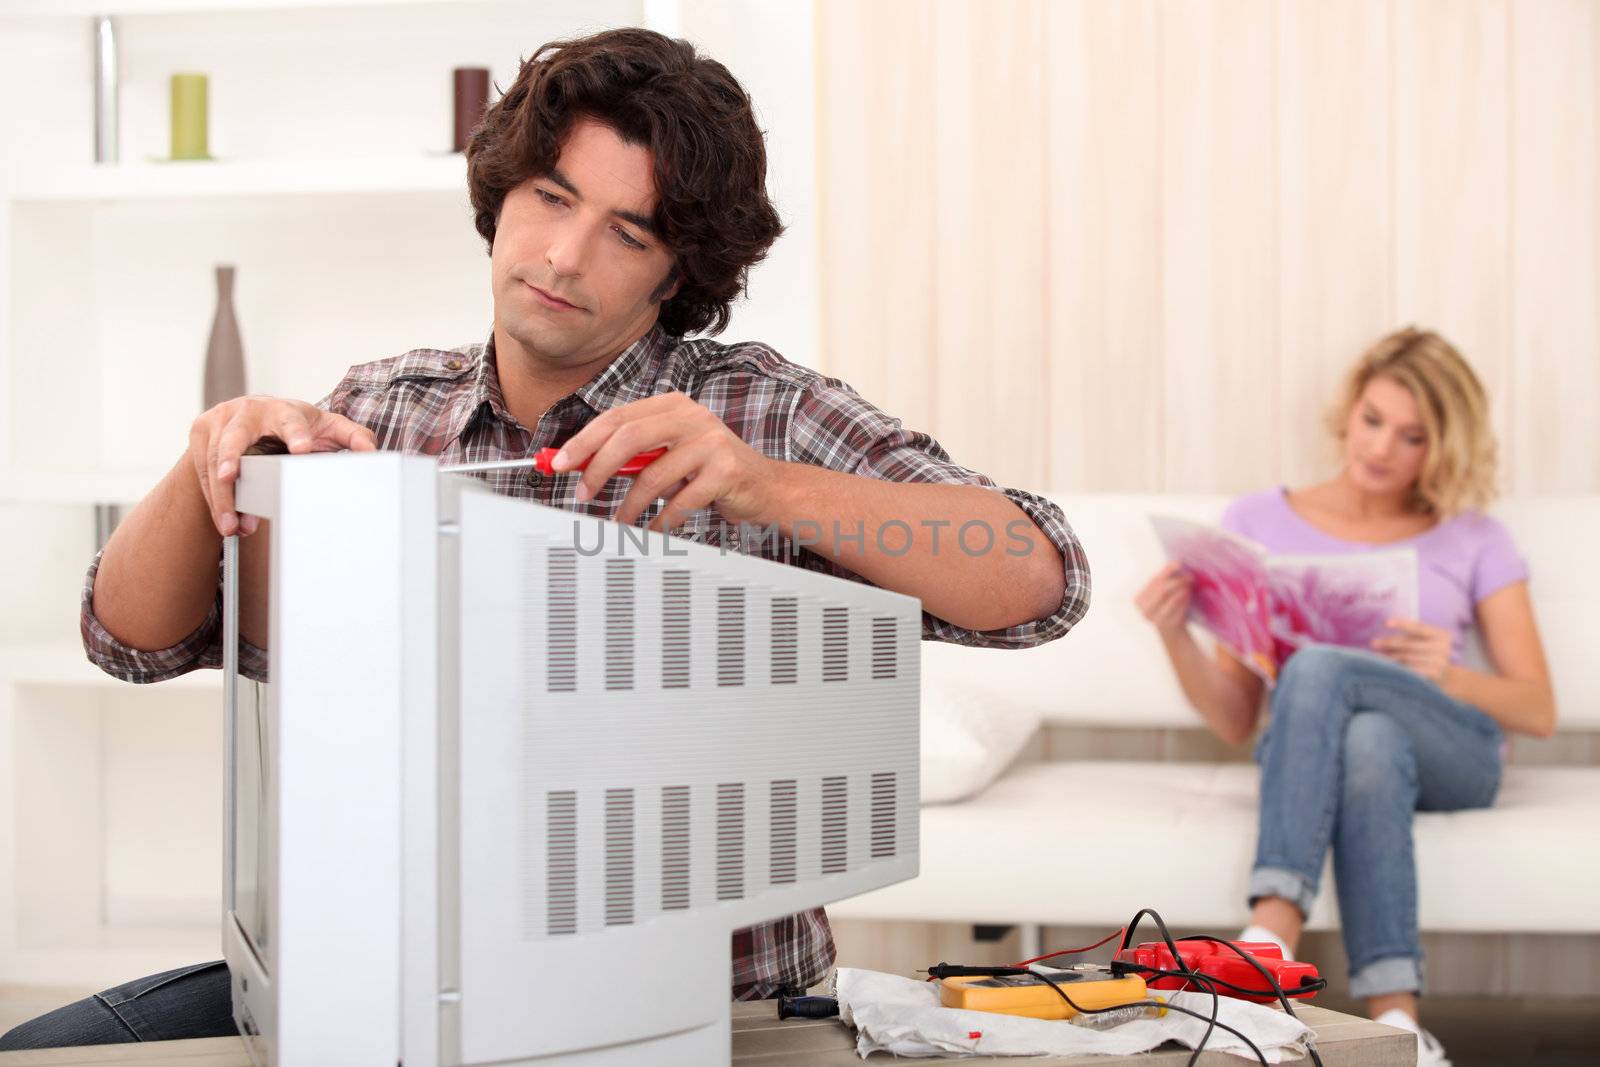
(502, 780)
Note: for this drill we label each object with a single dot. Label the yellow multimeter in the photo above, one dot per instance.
(1091, 987)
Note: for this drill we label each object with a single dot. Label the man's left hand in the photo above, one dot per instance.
(1423, 648)
(705, 465)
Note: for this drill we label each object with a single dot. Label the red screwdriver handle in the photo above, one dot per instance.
(542, 460)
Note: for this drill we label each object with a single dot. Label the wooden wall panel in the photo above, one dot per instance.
(1333, 168)
(1103, 95)
(875, 202)
(1219, 249)
(1451, 192)
(1554, 278)
(1238, 196)
(989, 182)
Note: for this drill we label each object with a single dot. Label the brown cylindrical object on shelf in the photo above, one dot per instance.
(472, 100)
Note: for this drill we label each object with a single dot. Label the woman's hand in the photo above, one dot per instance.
(1223, 691)
(1164, 600)
(1423, 648)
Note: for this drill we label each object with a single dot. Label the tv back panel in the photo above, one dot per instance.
(504, 779)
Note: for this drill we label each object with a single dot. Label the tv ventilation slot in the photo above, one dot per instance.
(619, 623)
(884, 815)
(883, 648)
(675, 629)
(619, 857)
(783, 824)
(730, 841)
(561, 849)
(835, 824)
(785, 640)
(835, 644)
(561, 614)
(730, 635)
(674, 847)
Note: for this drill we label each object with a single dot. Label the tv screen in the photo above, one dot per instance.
(254, 837)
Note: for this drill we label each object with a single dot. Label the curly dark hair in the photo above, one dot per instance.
(710, 158)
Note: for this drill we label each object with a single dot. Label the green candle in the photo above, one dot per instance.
(189, 120)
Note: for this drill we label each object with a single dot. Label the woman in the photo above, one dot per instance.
(1358, 740)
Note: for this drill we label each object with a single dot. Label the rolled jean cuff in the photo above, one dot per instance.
(1396, 974)
(1292, 886)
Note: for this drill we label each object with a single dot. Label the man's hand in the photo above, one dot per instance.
(1423, 648)
(706, 464)
(220, 436)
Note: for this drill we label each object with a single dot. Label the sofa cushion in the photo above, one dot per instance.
(1110, 670)
(1556, 535)
(968, 740)
(1089, 843)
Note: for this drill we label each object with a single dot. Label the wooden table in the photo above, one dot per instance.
(760, 1040)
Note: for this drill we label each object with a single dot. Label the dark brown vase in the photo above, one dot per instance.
(225, 352)
(472, 99)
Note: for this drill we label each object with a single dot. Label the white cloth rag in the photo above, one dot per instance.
(904, 1016)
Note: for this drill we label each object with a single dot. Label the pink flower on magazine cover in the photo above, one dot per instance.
(1263, 607)
(1320, 602)
(1230, 596)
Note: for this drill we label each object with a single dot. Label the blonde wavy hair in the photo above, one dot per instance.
(1459, 472)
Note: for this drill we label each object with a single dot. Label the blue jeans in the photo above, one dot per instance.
(1356, 744)
(189, 1002)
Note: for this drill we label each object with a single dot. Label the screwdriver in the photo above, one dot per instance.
(543, 459)
(541, 462)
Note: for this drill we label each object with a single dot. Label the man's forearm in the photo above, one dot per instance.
(973, 557)
(158, 576)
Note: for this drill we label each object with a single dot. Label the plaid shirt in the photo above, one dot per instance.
(449, 404)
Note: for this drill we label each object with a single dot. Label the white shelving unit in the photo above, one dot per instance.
(353, 238)
(112, 838)
(252, 178)
(91, 8)
(62, 664)
(109, 486)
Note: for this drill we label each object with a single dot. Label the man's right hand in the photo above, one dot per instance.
(220, 436)
(1164, 600)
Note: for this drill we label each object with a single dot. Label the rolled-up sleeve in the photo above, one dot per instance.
(833, 426)
(201, 649)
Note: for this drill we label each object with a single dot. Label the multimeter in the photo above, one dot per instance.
(1090, 986)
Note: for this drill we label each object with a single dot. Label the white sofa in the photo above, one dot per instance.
(1088, 842)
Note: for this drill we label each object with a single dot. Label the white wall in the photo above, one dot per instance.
(769, 47)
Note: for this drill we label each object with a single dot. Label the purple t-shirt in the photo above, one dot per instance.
(1459, 562)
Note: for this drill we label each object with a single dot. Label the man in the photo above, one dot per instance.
(620, 186)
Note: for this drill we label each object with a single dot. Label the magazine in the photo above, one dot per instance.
(1262, 606)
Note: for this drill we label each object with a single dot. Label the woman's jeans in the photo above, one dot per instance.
(1356, 744)
(192, 1001)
